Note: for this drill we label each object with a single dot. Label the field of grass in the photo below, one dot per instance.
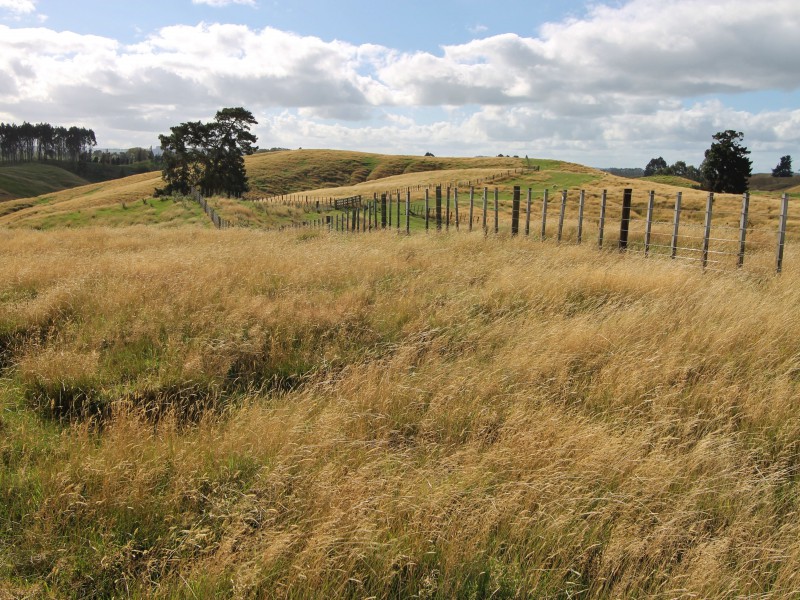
(25, 181)
(292, 171)
(191, 413)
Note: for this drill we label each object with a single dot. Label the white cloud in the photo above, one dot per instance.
(221, 3)
(18, 7)
(632, 80)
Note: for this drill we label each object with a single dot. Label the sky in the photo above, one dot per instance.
(606, 83)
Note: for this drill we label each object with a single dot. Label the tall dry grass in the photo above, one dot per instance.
(381, 416)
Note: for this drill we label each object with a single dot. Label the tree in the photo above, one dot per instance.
(726, 168)
(679, 168)
(656, 166)
(784, 168)
(209, 156)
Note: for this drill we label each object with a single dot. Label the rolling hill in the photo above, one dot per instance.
(34, 179)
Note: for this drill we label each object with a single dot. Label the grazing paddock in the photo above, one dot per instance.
(243, 413)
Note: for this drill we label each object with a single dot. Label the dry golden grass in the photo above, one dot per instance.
(382, 416)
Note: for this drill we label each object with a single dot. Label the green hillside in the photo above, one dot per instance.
(35, 179)
(765, 182)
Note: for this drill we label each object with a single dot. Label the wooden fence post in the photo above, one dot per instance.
(648, 227)
(544, 214)
(398, 210)
(496, 211)
(675, 225)
(485, 209)
(707, 228)
(562, 214)
(408, 211)
(743, 229)
(471, 205)
(602, 224)
(625, 221)
(515, 211)
(447, 212)
(427, 210)
(438, 207)
(581, 205)
(782, 233)
(455, 205)
(383, 211)
(528, 213)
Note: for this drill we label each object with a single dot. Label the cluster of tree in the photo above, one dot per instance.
(784, 168)
(28, 142)
(123, 157)
(208, 156)
(725, 168)
(659, 166)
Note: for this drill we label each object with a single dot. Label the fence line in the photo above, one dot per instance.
(657, 227)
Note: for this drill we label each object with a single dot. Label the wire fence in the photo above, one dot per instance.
(715, 233)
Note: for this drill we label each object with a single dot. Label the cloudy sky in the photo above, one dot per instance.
(604, 83)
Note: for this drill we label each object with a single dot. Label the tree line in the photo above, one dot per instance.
(725, 167)
(43, 141)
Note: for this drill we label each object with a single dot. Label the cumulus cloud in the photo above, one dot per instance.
(620, 80)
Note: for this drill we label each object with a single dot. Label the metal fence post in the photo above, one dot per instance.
(743, 229)
(649, 223)
(602, 223)
(782, 233)
(707, 228)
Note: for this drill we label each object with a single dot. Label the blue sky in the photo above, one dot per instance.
(605, 83)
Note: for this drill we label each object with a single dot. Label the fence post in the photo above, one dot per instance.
(485, 209)
(544, 213)
(648, 227)
(438, 207)
(471, 205)
(743, 229)
(675, 224)
(447, 212)
(581, 205)
(562, 214)
(427, 209)
(602, 224)
(496, 211)
(625, 222)
(383, 211)
(398, 210)
(408, 211)
(515, 211)
(455, 204)
(707, 228)
(782, 233)
(528, 213)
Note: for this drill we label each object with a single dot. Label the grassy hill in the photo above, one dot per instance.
(25, 181)
(291, 171)
(765, 182)
(190, 413)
